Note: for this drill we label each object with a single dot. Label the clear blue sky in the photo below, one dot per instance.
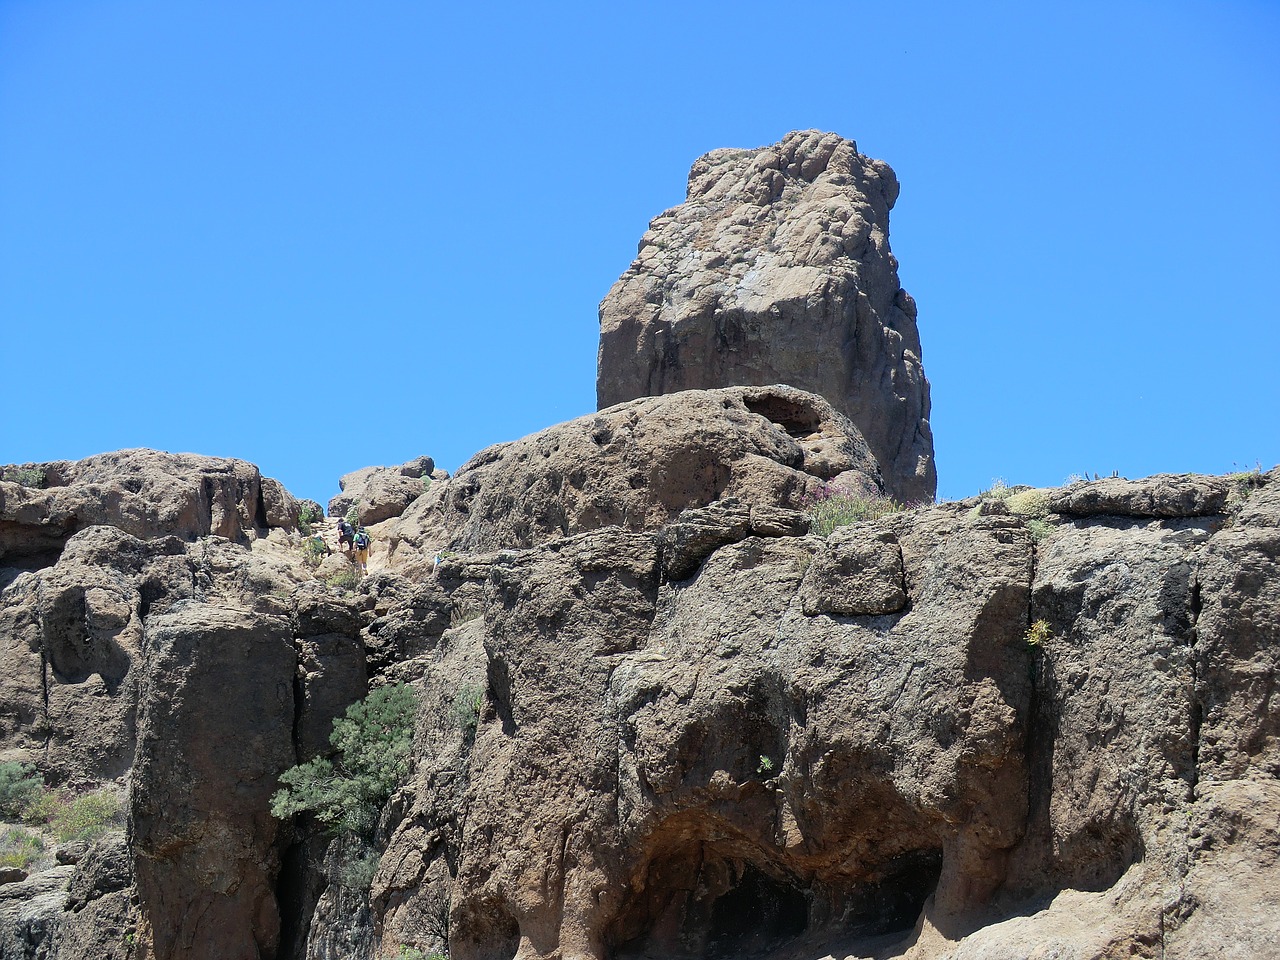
(323, 235)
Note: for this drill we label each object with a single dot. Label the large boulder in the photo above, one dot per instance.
(777, 269)
(380, 493)
(637, 465)
(214, 734)
(146, 493)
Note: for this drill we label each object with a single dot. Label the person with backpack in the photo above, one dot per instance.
(346, 536)
(361, 542)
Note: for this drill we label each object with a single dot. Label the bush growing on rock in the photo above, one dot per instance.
(313, 552)
(835, 506)
(467, 706)
(87, 816)
(371, 759)
(20, 848)
(25, 476)
(70, 816)
(19, 784)
(344, 579)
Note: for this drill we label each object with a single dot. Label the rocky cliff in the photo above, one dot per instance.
(777, 269)
(707, 734)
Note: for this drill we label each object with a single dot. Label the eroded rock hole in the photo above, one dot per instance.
(795, 418)
(892, 903)
(757, 914)
(717, 908)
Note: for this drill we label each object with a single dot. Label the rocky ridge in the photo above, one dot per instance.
(716, 735)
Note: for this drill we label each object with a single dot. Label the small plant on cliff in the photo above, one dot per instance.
(467, 706)
(766, 765)
(1039, 529)
(370, 760)
(313, 552)
(20, 848)
(464, 612)
(358, 872)
(25, 476)
(413, 953)
(836, 506)
(19, 785)
(353, 514)
(309, 513)
(1039, 633)
(344, 579)
(69, 816)
(1242, 486)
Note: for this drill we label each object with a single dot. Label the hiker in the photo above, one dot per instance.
(321, 545)
(362, 550)
(346, 536)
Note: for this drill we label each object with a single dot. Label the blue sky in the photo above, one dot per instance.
(323, 235)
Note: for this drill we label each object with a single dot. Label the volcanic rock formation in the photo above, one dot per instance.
(660, 714)
(777, 269)
(637, 465)
(708, 736)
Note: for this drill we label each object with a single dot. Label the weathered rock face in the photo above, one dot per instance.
(712, 737)
(145, 493)
(777, 269)
(794, 746)
(215, 732)
(380, 493)
(167, 665)
(637, 465)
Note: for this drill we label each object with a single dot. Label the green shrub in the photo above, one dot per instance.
(467, 706)
(25, 476)
(42, 806)
(1032, 502)
(1242, 487)
(999, 490)
(19, 785)
(1039, 529)
(371, 759)
(358, 873)
(314, 551)
(347, 579)
(310, 513)
(465, 612)
(1039, 633)
(834, 506)
(353, 515)
(20, 848)
(87, 816)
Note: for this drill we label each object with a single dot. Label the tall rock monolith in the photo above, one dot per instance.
(777, 269)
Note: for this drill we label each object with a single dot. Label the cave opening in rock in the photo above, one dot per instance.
(797, 419)
(713, 908)
(757, 914)
(892, 902)
(713, 901)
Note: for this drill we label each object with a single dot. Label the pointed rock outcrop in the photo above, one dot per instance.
(777, 269)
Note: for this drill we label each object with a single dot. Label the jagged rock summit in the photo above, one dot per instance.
(777, 269)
